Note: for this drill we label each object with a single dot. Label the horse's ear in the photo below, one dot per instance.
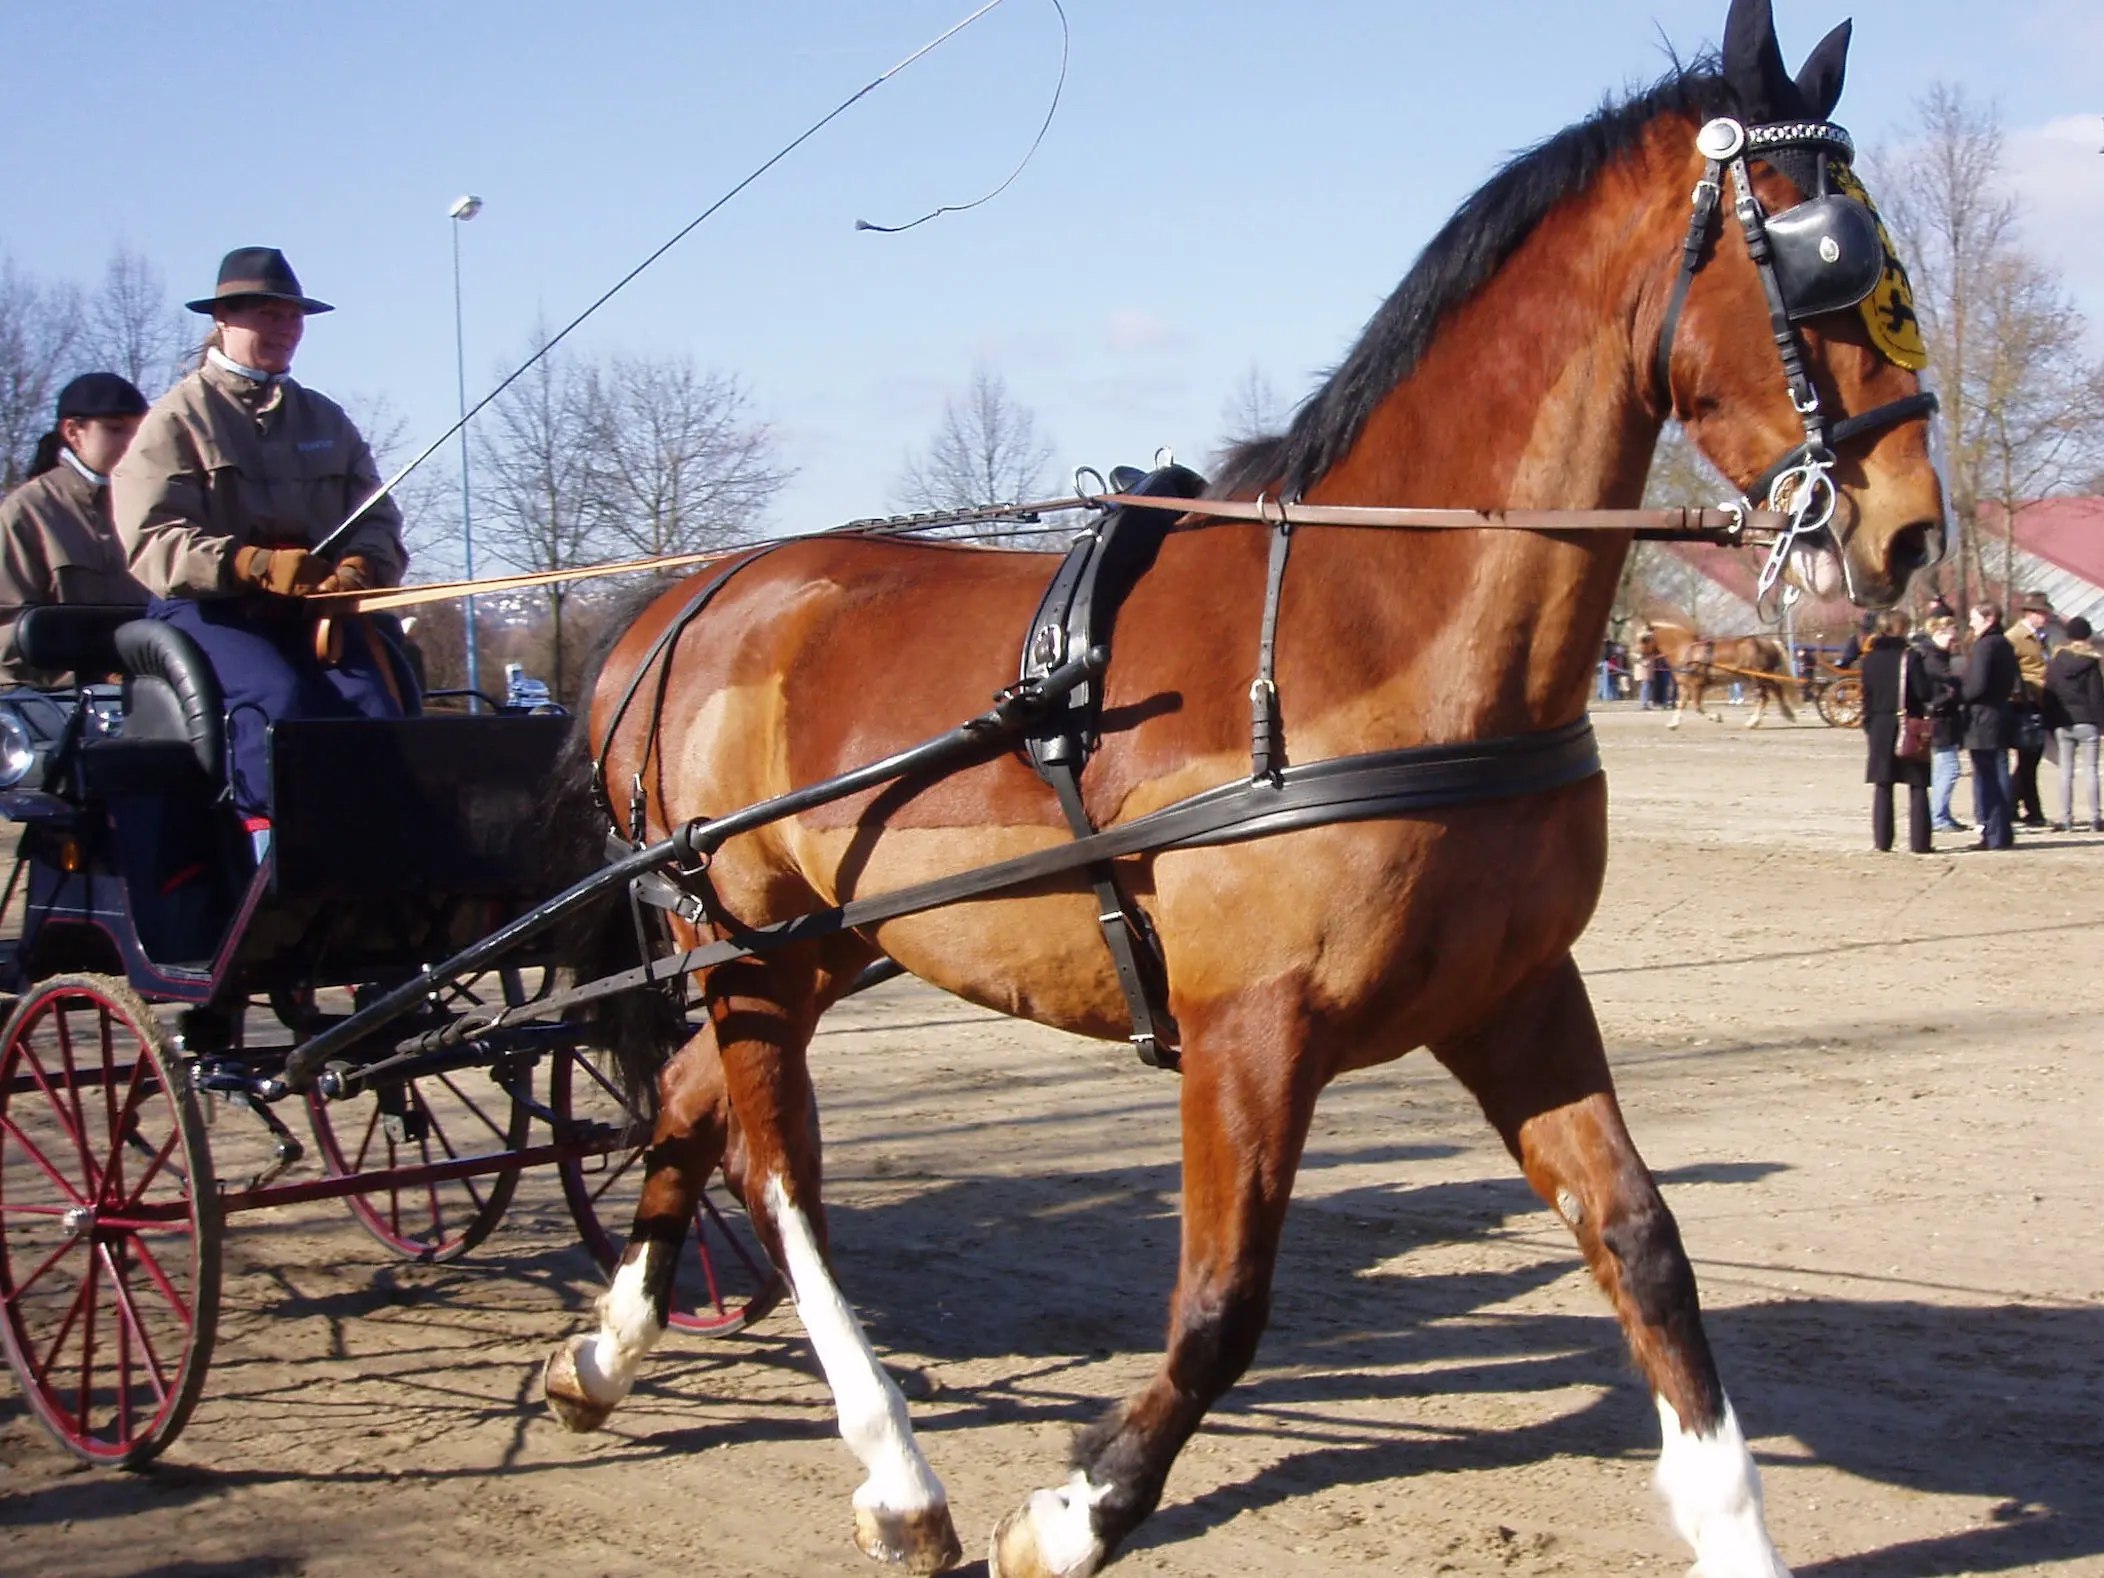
(1819, 82)
(1753, 63)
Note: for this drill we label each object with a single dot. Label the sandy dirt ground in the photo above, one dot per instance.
(1869, 1084)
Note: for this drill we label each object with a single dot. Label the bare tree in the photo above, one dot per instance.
(1253, 409)
(986, 450)
(684, 465)
(2019, 409)
(429, 497)
(132, 326)
(40, 337)
(544, 483)
(1655, 579)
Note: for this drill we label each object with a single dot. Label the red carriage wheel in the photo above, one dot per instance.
(109, 1221)
(439, 1118)
(724, 1281)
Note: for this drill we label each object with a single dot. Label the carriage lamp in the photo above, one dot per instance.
(17, 754)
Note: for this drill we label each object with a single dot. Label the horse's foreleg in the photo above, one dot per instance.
(1542, 1077)
(764, 1015)
(1760, 704)
(589, 1375)
(1247, 1097)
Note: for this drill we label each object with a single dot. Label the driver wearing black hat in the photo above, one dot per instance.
(237, 475)
(57, 542)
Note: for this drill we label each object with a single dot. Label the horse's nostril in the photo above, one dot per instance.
(1909, 549)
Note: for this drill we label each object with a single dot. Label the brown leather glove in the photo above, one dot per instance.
(283, 572)
(353, 574)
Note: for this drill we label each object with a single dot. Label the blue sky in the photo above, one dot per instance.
(1226, 187)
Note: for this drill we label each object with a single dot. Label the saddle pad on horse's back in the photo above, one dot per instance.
(1080, 607)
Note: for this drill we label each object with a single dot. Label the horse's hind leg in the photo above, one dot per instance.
(1539, 1071)
(764, 1015)
(1248, 1093)
(589, 1375)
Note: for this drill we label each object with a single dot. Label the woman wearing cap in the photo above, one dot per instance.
(237, 476)
(57, 542)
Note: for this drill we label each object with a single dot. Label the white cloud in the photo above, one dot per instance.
(1130, 331)
(2058, 170)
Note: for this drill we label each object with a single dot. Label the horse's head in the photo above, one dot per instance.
(1788, 345)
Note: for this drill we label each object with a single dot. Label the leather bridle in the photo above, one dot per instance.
(1820, 243)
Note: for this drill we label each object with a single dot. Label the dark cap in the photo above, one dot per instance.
(2037, 603)
(100, 394)
(257, 274)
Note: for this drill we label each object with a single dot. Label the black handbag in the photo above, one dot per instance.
(1916, 740)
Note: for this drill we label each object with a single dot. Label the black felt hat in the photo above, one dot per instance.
(257, 273)
(100, 394)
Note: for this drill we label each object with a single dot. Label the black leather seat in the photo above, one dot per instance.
(174, 717)
(77, 637)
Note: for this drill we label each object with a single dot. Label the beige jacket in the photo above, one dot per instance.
(57, 545)
(222, 463)
(2030, 659)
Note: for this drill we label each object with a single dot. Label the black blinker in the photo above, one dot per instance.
(1828, 255)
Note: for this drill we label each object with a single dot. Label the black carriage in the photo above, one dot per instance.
(165, 964)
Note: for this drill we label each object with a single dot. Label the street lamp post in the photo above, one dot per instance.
(460, 213)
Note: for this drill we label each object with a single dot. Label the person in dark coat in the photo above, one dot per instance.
(1989, 691)
(1894, 683)
(2074, 711)
(1940, 662)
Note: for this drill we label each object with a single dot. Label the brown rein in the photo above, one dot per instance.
(1729, 526)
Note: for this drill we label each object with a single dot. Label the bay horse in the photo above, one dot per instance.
(1516, 365)
(1702, 661)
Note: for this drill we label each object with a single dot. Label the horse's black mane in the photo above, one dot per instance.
(1474, 244)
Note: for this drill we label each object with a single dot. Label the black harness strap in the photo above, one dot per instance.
(1077, 613)
(1370, 787)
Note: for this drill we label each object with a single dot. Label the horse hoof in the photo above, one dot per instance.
(922, 1542)
(1048, 1536)
(566, 1394)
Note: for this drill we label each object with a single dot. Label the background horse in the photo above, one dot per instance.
(1702, 661)
(1516, 365)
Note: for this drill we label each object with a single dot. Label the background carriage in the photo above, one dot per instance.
(161, 975)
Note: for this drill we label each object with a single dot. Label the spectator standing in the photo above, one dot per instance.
(2074, 707)
(1939, 662)
(2027, 640)
(1852, 650)
(1990, 725)
(1895, 685)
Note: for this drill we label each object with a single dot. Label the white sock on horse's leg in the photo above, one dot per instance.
(1713, 1492)
(901, 1509)
(628, 1328)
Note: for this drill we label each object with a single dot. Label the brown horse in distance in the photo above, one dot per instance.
(1702, 661)
(1512, 367)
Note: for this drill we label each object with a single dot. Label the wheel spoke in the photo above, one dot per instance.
(80, 1117)
(614, 1177)
(108, 1048)
(43, 1162)
(153, 1168)
(60, 1115)
(160, 1280)
(372, 1125)
(469, 1102)
(730, 1238)
(600, 1079)
(124, 1406)
(85, 1413)
(50, 1260)
(42, 1373)
(130, 1312)
(125, 1119)
(708, 1268)
(438, 1217)
(452, 1155)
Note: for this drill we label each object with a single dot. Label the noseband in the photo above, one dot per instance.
(1822, 255)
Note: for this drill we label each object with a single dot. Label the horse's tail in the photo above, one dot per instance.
(641, 1029)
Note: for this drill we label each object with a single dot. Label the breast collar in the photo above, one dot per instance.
(1800, 481)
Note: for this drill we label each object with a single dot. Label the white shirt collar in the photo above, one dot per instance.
(226, 363)
(94, 479)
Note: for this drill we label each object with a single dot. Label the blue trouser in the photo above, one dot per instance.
(265, 661)
(1991, 798)
(1943, 783)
